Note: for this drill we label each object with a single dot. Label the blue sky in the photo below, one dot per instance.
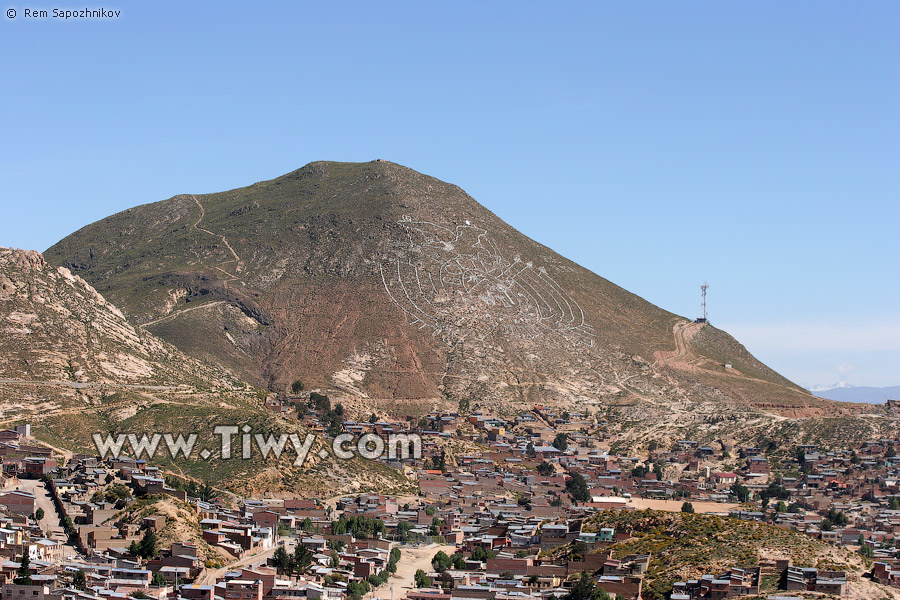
(752, 145)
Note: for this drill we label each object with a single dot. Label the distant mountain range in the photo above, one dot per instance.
(843, 392)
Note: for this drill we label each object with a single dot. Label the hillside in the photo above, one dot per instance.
(397, 290)
(72, 366)
(56, 327)
(687, 546)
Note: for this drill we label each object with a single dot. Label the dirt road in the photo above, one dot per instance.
(51, 524)
(209, 576)
(97, 385)
(675, 505)
(411, 560)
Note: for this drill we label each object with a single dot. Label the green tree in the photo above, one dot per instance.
(359, 526)
(440, 461)
(403, 528)
(529, 450)
(577, 487)
(79, 580)
(582, 589)
(464, 406)
(319, 402)
(459, 561)
(147, 545)
(158, 580)
(838, 517)
(441, 562)
(894, 504)
(864, 548)
(741, 492)
(297, 386)
(687, 507)
(544, 468)
(561, 442)
(23, 575)
(281, 560)
(301, 560)
(357, 589)
(480, 554)
(39, 514)
(421, 579)
(781, 506)
(333, 420)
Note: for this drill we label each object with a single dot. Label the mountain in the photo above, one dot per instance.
(852, 393)
(396, 290)
(72, 365)
(825, 388)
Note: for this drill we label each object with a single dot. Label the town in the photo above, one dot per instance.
(512, 517)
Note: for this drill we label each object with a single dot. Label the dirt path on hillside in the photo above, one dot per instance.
(237, 259)
(172, 315)
(683, 332)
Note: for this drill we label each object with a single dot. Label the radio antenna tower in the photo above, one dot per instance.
(703, 287)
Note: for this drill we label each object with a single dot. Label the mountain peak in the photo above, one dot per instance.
(394, 288)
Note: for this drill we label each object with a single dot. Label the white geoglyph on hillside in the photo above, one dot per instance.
(456, 282)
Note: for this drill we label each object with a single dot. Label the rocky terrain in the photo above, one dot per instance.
(72, 366)
(56, 328)
(388, 285)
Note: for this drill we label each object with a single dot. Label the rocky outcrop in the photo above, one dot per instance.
(54, 326)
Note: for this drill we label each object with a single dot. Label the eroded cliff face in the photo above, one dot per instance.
(55, 327)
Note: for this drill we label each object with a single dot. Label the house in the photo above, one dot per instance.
(725, 477)
(38, 466)
(243, 589)
(29, 592)
(19, 502)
